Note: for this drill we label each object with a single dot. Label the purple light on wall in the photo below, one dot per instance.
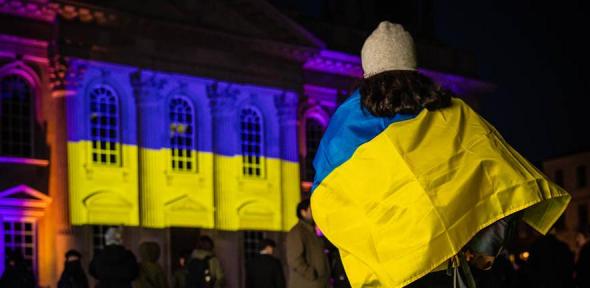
(335, 62)
(458, 84)
(25, 161)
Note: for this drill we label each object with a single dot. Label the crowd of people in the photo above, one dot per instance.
(311, 260)
(548, 263)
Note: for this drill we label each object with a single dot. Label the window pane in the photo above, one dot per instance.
(182, 136)
(16, 111)
(251, 142)
(104, 125)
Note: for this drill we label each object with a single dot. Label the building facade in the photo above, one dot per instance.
(171, 119)
(571, 173)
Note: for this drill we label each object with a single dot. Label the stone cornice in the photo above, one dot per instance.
(65, 75)
(334, 62)
(222, 98)
(83, 13)
(146, 86)
(42, 10)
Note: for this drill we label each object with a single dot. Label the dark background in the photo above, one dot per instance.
(535, 53)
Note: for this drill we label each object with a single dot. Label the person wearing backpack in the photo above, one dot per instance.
(204, 269)
(151, 273)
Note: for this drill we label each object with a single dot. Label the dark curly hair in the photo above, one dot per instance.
(402, 91)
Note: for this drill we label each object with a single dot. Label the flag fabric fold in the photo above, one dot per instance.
(400, 196)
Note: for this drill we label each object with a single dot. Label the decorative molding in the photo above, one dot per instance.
(24, 161)
(42, 10)
(87, 15)
(222, 98)
(334, 62)
(146, 86)
(458, 84)
(287, 105)
(23, 196)
(65, 74)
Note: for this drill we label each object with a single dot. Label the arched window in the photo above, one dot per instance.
(314, 130)
(105, 126)
(251, 137)
(182, 135)
(16, 116)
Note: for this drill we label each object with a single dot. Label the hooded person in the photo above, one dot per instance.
(73, 275)
(151, 274)
(412, 184)
(114, 266)
(203, 268)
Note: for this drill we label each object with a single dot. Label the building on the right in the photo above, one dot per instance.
(571, 173)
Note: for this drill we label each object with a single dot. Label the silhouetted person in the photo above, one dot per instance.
(151, 274)
(264, 270)
(179, 276)
(17, 274)
(204, 269)
(308, 265)
(551, 263)
(114, 266)
(73, 275)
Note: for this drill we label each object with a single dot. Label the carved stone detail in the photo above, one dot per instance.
(65, 74)
(146, 86)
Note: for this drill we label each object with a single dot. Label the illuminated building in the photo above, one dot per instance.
(173, 121)
(571, 173)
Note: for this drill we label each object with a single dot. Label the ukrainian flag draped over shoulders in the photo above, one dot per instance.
(399, 196)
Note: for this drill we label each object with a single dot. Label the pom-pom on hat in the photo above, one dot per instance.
(389, 47)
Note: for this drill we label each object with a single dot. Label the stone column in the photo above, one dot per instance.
(65, 78)
(286, 105)
(222, 101)
(146, 90)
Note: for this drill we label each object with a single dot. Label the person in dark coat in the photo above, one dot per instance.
(215, 276)
(308, 264)
(551, 263)
(179, 276)
(114, 266)
(151, 274)
(73, 275)
(264, 270)
(16, 272)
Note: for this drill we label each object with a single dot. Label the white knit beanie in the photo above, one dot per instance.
(389, 47)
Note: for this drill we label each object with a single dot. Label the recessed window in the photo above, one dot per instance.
(582, 216)
(105, 126)
(313, 134)
(581, 179)
(252, 243)
(251, 136)
(182, 135)
(98, 240)
(558, 177)
(21, 237)
(16, 117)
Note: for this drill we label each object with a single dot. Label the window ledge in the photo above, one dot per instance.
(24, 161)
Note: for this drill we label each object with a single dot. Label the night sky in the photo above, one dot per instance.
(535, 53)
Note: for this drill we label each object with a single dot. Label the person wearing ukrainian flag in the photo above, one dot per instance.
(412, 185)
